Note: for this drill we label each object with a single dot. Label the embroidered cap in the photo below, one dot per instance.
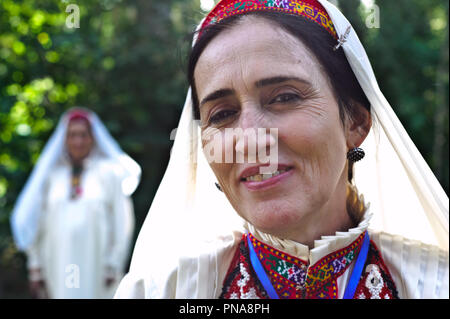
(310, 9)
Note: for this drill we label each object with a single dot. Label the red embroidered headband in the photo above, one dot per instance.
(79, 115)
(310, 9)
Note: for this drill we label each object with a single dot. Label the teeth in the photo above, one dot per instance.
(263, 177)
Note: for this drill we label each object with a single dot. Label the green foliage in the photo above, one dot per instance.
(126, 62)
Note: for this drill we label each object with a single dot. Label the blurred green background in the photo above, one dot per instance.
(127, 63)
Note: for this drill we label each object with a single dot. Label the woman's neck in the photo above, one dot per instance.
(76, 163)
(333, 216)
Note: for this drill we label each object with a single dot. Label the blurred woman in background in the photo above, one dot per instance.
(74, 218)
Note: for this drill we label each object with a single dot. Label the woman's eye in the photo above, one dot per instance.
(285, 98)
(221, 116)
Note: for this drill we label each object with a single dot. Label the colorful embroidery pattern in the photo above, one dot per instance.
(292, 279)
(376, 281)
(291, 276)
(241, 282)
(332, 265)
(310, 9)
(281, 264)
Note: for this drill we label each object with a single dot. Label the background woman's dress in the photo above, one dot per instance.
(83, 240)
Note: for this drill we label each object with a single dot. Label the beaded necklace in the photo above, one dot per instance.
(76, 190)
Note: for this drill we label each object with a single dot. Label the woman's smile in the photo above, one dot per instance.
(253, 180)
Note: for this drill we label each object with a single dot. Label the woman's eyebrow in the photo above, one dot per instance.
(261, 83)
(280, 79)
(216, 95)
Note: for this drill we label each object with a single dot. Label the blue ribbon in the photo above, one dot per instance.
(262, 276)
(357, 270)
(352, 284)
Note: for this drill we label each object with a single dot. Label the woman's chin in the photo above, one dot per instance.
(274, 220)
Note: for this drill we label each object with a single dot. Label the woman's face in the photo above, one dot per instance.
(256, 75)
(79, 140)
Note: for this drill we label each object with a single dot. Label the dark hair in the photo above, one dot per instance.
(343, 81)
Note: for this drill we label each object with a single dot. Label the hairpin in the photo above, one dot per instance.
(342, 38)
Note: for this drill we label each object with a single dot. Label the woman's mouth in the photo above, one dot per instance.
(263, 177)
(263, 181)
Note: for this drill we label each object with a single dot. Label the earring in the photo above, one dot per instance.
(356, 154)
(218, 187)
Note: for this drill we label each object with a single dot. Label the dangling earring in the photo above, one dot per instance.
(218, 187)
(356, 154)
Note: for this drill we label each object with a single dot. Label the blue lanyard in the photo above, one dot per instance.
(358, 268)
(351, 286)
(263, 278)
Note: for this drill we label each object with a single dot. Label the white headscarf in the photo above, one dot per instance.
(189, 215)
(26, 213)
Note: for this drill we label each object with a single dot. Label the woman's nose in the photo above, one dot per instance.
(255, 139)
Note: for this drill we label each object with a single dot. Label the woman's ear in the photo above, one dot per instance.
(358, 125)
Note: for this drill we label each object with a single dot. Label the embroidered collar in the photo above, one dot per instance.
(322, 247)
(293, 279)
(288, 270)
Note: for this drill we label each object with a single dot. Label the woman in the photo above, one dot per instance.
(74, 218)
(296, 70)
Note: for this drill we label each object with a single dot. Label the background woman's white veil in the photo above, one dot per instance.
(26, 213)
(189, 217)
